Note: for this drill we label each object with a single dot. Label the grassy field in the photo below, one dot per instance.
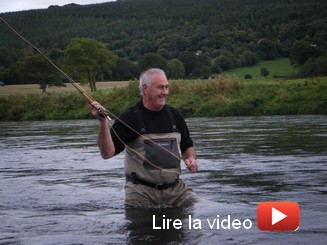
(34, 88)
(279, 67)
(227, 95)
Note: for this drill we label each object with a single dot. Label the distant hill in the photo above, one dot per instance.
(207, 36)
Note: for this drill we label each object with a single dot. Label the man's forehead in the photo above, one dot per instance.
(159, 79)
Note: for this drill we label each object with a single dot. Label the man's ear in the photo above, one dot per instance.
(144, 88)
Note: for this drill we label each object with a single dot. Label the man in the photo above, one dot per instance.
(154, 135)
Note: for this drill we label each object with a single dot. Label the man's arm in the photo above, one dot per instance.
(105, 143)
(189, 157)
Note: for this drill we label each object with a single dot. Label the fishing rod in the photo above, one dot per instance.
(100, 111)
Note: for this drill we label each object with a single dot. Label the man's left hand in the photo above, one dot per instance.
(191, 164)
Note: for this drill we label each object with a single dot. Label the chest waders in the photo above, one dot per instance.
(153, 174)
(157, 163)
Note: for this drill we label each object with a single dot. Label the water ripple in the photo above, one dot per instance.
(56, 189)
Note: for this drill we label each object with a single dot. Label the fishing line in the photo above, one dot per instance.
(104, 112)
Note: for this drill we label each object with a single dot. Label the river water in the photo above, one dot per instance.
(56, 189)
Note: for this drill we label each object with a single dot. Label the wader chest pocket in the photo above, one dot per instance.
(164, 158)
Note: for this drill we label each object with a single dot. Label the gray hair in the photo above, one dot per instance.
(145, 77)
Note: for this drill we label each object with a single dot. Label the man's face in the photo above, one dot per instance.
(156, 94)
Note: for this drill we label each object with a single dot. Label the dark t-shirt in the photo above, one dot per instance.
(154, 122)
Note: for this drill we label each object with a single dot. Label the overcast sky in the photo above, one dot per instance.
(18, 5)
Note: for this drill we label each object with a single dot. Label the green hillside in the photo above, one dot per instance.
(186, 38)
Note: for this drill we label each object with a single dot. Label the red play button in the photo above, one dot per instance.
(278, 216)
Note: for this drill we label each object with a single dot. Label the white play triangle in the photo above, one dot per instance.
(276, 216)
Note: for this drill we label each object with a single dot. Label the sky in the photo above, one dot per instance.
(19, 5)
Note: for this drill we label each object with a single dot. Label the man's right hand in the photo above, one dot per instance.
(96, 110)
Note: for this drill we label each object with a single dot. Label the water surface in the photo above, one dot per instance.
(56, 189)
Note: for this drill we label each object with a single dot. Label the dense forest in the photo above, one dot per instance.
(187, 38)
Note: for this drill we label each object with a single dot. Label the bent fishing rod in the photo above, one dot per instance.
(100, 111)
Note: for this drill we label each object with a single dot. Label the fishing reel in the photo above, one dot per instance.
(102, 113)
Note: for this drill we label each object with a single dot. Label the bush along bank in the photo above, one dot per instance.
(219, 96)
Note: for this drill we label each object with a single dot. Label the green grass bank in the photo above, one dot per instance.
(277, 68)
(219, 96)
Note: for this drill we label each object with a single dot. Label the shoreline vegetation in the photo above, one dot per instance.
(215, 97)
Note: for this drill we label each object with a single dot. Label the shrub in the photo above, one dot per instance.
(248, 76)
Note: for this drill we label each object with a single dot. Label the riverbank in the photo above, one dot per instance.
(220, 96)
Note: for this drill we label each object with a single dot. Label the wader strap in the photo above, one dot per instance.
(138, 113)
(135, 180)
(172, 119)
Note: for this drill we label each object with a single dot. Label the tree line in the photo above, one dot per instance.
(186, 38)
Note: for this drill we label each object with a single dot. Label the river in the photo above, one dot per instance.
(56, 189)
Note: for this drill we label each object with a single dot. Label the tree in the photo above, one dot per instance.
(176, 69)
(203, 72)
(264, 72)
(164, 53)
(152, 60)
(174, 42)
(314, 67)
(267, 49)
(248, 58)
(226, 61)
(125, 70)
(6, 56)
(303, 51)
(35, 69)
(189, 60)
(89, 59)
